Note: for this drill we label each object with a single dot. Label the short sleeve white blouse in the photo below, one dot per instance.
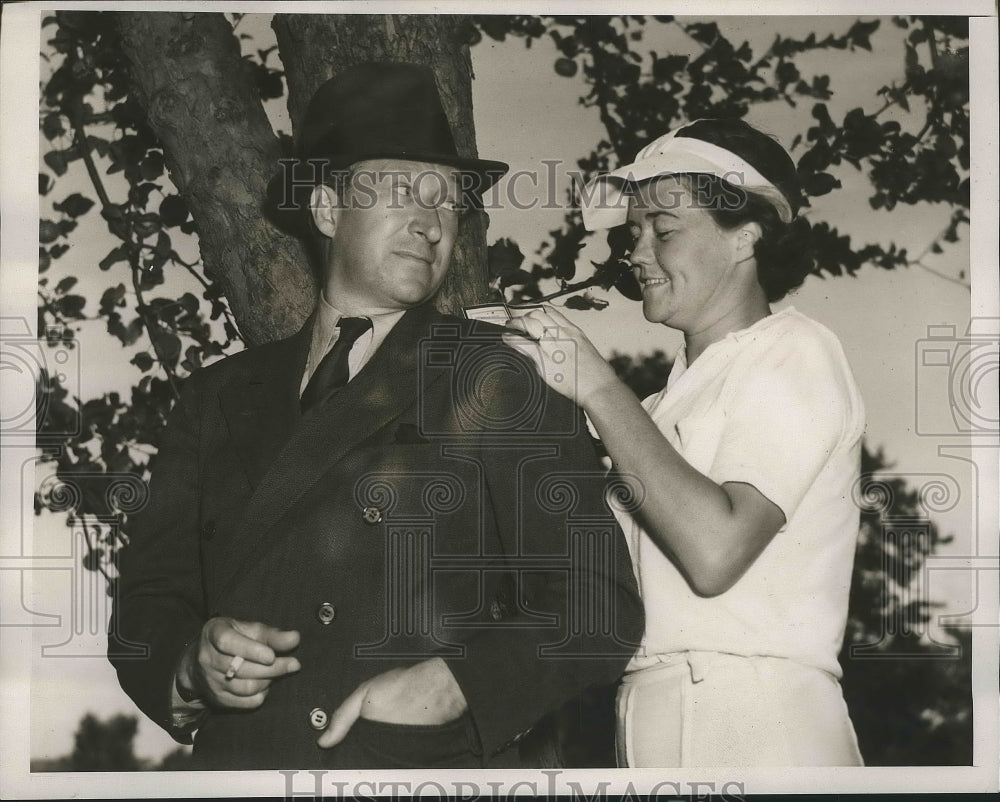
(777, 407)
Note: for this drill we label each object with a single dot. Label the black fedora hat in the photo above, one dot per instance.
(379, 110)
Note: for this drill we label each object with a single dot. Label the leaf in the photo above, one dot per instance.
(515, 278)
(151, 276)
(815, 159)
(189, 303)
(132, 332)
(48, 231)
(76, 205)
(111, 298)
(860, 32)
(665, 68)
(173, 210)
(142, 360)
(92, 560)
(65, 285)
(168, 345)
(820, 184)
(119, 254)
(66, 226)
(52, 125)
(567, 245)
(56, 160)
(584, 302)
(628, 285)
(862, 135)
(504, 257)
(704, 32)
(139, 194)
(44, 183)
(192, 358)
(786, 73)
(565, 67)
(162, 248)
(495, 26)
(100, 146)
(147, 225)
(70, 305)
(821, 114)
(152, 166)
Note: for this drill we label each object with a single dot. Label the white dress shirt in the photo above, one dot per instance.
(325, 333)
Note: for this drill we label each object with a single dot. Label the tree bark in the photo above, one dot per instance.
(315, 47)
(221, 151)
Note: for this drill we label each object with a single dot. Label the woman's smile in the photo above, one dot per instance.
(652, 282)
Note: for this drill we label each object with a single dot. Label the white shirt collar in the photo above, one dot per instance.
(325, 333)
(327, 316)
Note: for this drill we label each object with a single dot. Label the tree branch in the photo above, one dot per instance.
(593, 281)
(201, 280)
(939, 274)
(80, 141)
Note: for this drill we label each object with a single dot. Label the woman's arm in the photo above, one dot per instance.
(713, 532)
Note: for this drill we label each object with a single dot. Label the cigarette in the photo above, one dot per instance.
(234, 666)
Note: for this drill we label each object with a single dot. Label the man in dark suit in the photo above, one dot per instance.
(382, 542)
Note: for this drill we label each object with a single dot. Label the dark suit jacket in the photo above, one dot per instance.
(443, 503)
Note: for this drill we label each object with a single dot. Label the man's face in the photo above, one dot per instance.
(393, 233)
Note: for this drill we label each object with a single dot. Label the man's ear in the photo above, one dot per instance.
(325, 207)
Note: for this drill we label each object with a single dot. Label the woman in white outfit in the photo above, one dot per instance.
(743, 532)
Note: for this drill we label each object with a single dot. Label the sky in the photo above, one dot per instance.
(525, 113)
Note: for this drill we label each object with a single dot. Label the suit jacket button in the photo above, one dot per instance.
(326, 612)
(496, 612)
(318, 718)
(371, 515)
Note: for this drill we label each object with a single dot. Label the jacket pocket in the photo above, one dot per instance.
(411, 746)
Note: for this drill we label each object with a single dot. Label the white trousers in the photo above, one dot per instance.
(715, 709)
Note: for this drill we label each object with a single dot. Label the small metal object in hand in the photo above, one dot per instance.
(234, 666)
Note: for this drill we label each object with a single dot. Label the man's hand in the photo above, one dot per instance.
(202, 670)
(425, 693)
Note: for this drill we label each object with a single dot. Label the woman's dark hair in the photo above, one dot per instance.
(784, 251)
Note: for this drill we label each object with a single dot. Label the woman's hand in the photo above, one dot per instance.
(564, 357)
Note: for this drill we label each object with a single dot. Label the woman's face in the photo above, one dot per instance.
(684, 262)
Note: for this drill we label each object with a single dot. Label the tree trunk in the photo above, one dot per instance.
(202, 103)
(315, 47)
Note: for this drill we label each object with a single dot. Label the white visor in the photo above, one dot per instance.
(604, 201)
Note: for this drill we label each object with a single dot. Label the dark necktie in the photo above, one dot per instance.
(333, 371)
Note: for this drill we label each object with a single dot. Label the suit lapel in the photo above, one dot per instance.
(261, 406)
(385, 387)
